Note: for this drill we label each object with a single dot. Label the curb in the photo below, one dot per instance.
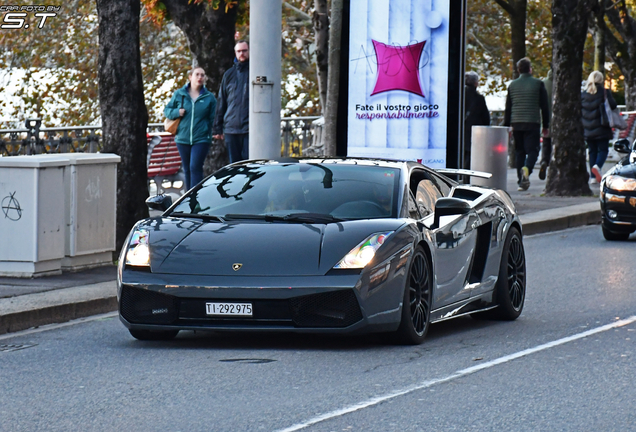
(57, 306)
(561, 218)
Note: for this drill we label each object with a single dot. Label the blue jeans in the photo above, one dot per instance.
(238, 146)
(598, 153)
(192, 158)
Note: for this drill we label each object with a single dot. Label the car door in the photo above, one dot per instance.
(454, 240)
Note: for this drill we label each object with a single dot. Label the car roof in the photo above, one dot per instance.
(389, 163)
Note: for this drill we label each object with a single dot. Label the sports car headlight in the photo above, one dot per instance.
(619, 183)
(138, 253)
(362, 254)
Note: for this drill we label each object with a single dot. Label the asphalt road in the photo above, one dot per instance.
(566, 364)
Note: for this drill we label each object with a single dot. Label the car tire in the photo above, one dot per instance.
(416, 305)
(510, 289)
(149, 335)
(614, 236)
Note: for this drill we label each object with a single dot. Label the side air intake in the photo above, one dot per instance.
(330, 309)
(148, 307)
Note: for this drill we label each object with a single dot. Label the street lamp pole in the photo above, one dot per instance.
(265, 77)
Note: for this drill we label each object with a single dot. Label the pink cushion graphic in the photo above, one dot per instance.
(398, 67)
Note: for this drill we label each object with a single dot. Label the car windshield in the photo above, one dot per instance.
(295, 192)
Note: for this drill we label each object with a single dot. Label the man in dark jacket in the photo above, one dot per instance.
(232, 110)
(476, 112)
(526, 110)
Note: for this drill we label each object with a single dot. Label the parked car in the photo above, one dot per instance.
(323, 245)
(618, 195)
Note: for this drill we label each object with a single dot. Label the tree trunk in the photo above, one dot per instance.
(321, 30)
(333, 83)
(516, 10)
(568, 175)
(622, 52)
(518, 33)
(599, 40)
(123, 111)
(630, 90)
(210, 35)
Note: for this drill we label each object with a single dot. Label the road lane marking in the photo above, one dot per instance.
(57, 326)
(464, 372)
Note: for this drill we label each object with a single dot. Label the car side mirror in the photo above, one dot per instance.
(449, 207)
(622, 146)
(159, 202)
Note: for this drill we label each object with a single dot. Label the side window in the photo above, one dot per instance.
(444, 187)
(413, 210)
(427, 187)
(425, 196)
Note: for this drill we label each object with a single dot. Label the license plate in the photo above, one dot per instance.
(229, 309)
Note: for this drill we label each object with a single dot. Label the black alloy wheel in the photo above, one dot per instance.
(516, 273)
(156, 335)
(416, 309)
(510, 290)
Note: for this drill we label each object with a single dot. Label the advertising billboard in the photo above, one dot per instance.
(398, 80)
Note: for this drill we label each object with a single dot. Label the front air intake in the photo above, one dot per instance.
(141, 306)
(330, 309)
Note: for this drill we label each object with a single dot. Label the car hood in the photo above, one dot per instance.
(255, 248)
(628, 171)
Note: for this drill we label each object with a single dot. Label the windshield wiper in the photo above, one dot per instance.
(205, 217)
(263, 217)
(311, 218)
(292, 217)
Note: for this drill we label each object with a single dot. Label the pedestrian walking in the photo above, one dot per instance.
(196, 106)
(232, 114)
(526, 110)
(597, 135)
(475, 112)
(546, 145)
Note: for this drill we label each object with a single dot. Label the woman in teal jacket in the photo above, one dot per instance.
(196, 106)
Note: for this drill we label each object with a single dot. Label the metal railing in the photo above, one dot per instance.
(496, 118)
(34, 139)
(297, 135)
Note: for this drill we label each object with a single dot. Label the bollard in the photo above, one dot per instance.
(489, 153)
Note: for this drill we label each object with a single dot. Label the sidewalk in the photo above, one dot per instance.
(26, 303)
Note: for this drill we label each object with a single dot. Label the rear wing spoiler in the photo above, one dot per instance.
(457, 171)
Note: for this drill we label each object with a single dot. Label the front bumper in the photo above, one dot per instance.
(624, 204)
(326, 304)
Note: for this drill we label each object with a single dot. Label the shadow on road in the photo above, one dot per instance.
(306, 342)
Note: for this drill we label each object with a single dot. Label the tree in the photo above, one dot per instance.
(567, 175)
(333, 83)
(54, 69)
(301, 76)
(321, 31)
(516, 10)
(620, 40)
(123, 111)
(209, 28)
(488, 41)
(599, 36)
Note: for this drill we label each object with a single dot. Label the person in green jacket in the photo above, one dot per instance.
(196, 106)
(526, 110)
